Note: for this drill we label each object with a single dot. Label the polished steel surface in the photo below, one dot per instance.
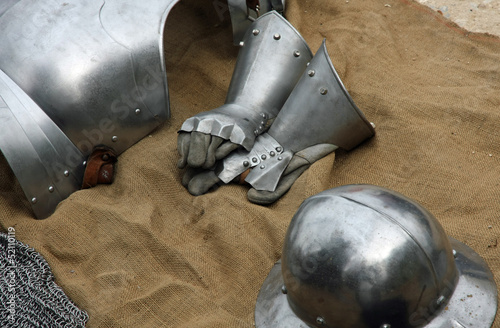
(93, 70)
(318, 111)
(364, 256)
(242, 16)
(269, 64)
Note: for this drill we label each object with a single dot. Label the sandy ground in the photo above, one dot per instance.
(476, 16)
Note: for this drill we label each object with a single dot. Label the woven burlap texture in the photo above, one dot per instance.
(143, 252)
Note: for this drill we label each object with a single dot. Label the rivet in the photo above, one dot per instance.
(51, 188)
(254, 159)
(263, 115)
(272, 153)
(262, 167)
(454, 253)
(34, 200)
(280, 158)
(66, 173)
(262, 123)
(105, 157)
(261, 127)
(84, 163)
(440, 300)
(242, 44)
(277, 36)
(283, 289)
(246, 163)
(114, 138)
(256, 32)
(323, 91)
(373, 125)
(256, 132)
(263, 157)
(311, 72)
(385, 325)
(279, 149)
(137, 111)
(296, 53)
(320, 321)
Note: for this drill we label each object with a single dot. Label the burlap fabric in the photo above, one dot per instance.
(144, 253)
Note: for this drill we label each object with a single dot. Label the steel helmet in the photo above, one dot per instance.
(367, 257)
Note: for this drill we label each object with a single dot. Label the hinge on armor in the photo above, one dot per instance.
(100, 167)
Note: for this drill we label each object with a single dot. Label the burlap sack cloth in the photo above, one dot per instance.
(143, 252)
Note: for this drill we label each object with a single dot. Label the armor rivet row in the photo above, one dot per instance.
(246, 163)
(263, 157)
(137, 111)
(34, 200)
(296, 53)
(280, 158)
(279, 149)
(66, 173)
(323, 91)
(114, 138)
(262, 167)
(311, 73)
(272, 153)
(255, 160)
(277, 36)
(320, 321)
(283, 289)
(255, 32)
(51, 188)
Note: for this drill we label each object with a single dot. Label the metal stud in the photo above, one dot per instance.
(280, 158)
(373, 125)
(440, 300)
(114, 138)
(84, 163)
(272, 153)
(454, 253)
(283, 289)
(385, 325)
(320, 321)
(242, 44)
(263, 157)
(277, 36)
(51, 188)
(66, 173)
(263, 115)
(296, 53)
(262, 123)
(34, 200)
(262, 167)
(137, 111)
(311, 72)
(255, 160)
(255, 32)
(246, 163)
(256, 132)
(323, 91)
(279, 149)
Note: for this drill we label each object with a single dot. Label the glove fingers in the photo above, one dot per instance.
(183, 148)
(198, 149)
(268, 197)
(202, 182)
(225, 149)
(189, 174)
(212, 149)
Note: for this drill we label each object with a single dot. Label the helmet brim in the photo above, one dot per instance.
(473, 303)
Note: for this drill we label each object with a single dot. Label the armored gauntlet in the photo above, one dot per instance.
(269, 64)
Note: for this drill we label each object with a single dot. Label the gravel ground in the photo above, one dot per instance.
(476, 16)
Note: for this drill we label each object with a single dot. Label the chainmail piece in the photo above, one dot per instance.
(29, 297)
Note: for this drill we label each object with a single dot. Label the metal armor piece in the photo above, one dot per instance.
(73, 76)
(269, 64)
(319, 111)
(362, 256)
(243, 13)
